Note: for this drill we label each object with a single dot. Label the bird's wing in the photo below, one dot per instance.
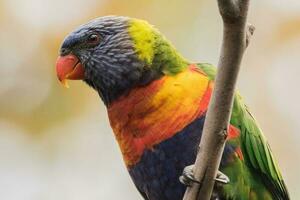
(257, 152)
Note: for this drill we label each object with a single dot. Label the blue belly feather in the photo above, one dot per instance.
(156, 174)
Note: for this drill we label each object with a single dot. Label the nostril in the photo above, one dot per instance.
(64, 51)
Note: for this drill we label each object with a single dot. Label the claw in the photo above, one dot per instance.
(187, 178)
(222, 178)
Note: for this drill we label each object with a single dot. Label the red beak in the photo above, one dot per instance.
(69, 67)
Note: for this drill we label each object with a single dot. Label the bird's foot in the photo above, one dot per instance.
(187, 178)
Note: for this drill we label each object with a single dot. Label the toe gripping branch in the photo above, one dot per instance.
(187, 178)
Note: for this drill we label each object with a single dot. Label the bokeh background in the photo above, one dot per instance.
(56, 143)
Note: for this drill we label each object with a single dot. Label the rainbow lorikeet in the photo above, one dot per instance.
(156, 102)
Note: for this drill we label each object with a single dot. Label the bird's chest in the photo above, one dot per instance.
(158, 129)
(150, 115)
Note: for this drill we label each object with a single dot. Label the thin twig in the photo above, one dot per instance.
(236, 37)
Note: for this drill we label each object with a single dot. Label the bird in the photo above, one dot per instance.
(156, 102)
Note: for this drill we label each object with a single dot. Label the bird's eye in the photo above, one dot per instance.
(94, 39)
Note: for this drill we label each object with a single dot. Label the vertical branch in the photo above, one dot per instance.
(236, 36)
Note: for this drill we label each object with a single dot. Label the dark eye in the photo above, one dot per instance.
(93, 39)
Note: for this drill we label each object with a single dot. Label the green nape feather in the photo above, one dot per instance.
(154, 49)
(256, 151)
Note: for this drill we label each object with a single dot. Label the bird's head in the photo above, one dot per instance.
(115, 54)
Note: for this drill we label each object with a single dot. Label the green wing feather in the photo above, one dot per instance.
(257, 152)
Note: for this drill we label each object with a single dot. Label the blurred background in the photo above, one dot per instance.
(56, 143)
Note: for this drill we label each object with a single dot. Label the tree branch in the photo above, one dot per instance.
(236, 37)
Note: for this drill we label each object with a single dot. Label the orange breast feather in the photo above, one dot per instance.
(149, 115)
